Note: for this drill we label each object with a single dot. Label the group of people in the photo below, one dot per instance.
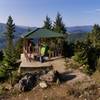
(38, 52)
(42, 52)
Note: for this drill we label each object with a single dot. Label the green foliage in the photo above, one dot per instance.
(10, 56)
(59, 26)
(95, 36)
(79, 58)
(94, 52)
(87, 70)
(10, 30)
(14, 78)
(86, 54)
(47, 23)
(80, 53)
(10, 52)
(3, 72)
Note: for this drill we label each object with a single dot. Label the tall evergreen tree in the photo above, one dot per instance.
(59, 26)
(95, 35)
(9, 54)
(47, 23)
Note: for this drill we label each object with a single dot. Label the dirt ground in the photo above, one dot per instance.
(75, 86)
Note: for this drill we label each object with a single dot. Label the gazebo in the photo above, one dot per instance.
(37, 36)
(42, 33)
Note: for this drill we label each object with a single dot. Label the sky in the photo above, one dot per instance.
(33, 12)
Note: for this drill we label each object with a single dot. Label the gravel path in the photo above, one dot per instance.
(71, 76)
(59, 65)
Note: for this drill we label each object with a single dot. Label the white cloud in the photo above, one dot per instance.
(93, 11)
(97, 10)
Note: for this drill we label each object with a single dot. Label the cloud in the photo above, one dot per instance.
(93, 11)
(97, 10)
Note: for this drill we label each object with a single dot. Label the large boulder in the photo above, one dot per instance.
(27, 82)
(50, 77)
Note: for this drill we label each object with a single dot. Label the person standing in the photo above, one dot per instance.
(30, 51)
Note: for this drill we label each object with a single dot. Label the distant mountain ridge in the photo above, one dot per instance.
(19, 31)
(79, 29)
(74, 32)
(78, 32)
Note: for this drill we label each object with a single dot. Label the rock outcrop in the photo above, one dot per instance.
(50, 77)
(27, 82)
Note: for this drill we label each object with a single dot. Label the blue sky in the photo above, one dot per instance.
(33, 12)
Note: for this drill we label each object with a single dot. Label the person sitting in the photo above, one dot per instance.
(42, 53)
(46, 56)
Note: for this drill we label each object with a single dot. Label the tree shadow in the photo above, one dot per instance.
(66, 77)
(56, 58)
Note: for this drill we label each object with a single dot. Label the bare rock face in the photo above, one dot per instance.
(27, 82)
(50, 77)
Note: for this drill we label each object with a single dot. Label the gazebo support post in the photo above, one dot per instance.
(25, 49)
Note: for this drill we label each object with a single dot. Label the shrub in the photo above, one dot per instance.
(15, 77)
(73, 64)
(86, 54)
(80, 58)
(3, 72)
(87, 70)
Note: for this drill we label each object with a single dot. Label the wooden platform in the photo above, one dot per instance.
(31, 66)
(27, 66)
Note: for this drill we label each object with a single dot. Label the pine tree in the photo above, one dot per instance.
(9, 53)
(47, 23)
(59, 26)
(95, 35)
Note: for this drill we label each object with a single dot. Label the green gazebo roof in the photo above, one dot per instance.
(42, 33)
